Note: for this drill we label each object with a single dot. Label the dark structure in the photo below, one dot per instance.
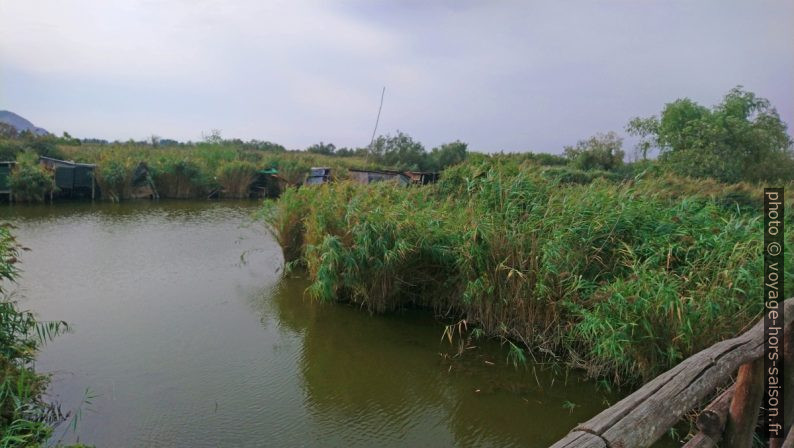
(5, 178)
(142, 183)
(71, 178)
(268, 184)
(422, 177)
(318, 175)
(370, 176)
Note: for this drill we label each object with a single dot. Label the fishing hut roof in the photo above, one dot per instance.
(57, 162)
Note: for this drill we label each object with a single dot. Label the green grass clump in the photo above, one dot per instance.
(624, 278)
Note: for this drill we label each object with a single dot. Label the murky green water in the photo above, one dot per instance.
(186, 334)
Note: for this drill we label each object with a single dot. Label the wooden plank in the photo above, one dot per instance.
(745, 406)
(701, 440)
(580, 439)
(641, 418)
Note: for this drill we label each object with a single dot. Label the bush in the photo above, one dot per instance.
(236, 177)
(180, 178)
(30, 181)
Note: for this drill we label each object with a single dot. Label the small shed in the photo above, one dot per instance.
(71, 177)
(5, 178)
(422, 177)
(318, 175)
(370, 176)
(268, 184)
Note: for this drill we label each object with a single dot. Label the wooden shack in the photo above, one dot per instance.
(370, 176)
(5, 178)
(422, 177)
(318, 175)
(268, 184)
(71, 178)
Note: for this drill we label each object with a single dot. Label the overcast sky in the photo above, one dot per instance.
(500, 75)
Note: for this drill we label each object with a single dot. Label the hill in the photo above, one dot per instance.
(19, 123)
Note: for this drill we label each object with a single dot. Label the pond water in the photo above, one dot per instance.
(186, 333)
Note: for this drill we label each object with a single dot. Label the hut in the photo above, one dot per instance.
(268, 184)
(72, 178)
(422, 177)
(370, 176)
(318, 175)
(5, 178)
(142, 183)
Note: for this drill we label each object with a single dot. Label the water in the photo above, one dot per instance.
(185, 333)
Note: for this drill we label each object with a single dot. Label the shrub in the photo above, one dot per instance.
(30, 181)
(236, 177)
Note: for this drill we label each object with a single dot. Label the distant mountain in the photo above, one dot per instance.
(19, 123)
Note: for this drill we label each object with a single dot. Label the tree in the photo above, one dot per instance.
(741, 138)
(322, 148)
(399, 151)
(448, 154)
(213, 138)
(8, 131)
(602, 151)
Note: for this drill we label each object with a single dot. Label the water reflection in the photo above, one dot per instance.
(383, 378)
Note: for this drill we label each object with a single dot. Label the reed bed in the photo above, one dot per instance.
(622, 277)
(193, 171)
(26, 419)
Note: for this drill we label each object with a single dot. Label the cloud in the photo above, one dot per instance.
(500, 75)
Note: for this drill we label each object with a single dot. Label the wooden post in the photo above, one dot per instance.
(788, 384)
(789, 443)
(746, 403)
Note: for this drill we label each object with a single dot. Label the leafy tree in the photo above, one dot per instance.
(43, 145)
(448, 154)
(8, 131)
(742, 138)
(602, 152)
(400, 152)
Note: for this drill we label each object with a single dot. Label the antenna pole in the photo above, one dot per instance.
(377, 120)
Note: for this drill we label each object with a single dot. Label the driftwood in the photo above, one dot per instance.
(746, 403)
(641, 418)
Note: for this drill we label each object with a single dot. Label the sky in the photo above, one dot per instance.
(499, 75)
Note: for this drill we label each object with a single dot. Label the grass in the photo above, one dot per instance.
(26, 419)
(624, 276)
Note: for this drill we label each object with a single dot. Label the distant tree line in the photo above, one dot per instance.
(740, 139)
